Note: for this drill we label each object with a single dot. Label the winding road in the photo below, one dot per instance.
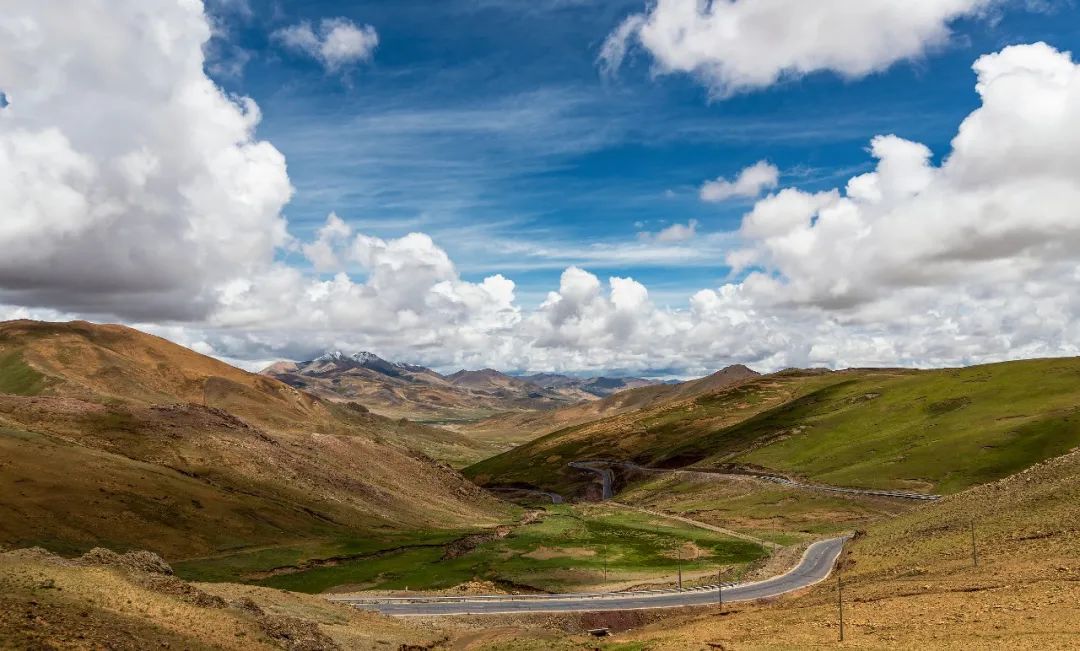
(816, 565)
(607, 475)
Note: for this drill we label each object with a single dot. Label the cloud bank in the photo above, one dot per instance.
(162, 208)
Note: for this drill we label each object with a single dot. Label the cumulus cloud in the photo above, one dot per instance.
(335, 42)
(673, 233)
(750, 182)
(740, 45)
(998, 213)
(142, 205)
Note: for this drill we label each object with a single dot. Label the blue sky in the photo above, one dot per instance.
(491, 129)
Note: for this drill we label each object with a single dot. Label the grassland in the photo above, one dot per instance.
(935, 431)
(568, 549)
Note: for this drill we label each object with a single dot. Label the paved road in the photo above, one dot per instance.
(815, 566)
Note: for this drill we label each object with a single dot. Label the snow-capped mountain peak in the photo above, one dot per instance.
(330, 356)
(363, 357)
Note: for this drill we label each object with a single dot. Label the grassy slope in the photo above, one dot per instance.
(185, 479)
(937, 430)
(908, 583)
(645, 435)
(17, 378)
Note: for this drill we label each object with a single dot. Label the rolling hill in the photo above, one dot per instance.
(117, 438)
(934, 431)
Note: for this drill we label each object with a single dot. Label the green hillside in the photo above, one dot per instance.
(938, 431)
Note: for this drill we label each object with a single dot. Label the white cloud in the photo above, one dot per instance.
(335, 43)
(997, 215)
(750, 182)
(673, 233)
(740, 45)
(143, 203)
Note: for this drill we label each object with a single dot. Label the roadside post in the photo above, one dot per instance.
(680, 569)
(840, 602)
(974, 551)
(720, 589)
(605, 562)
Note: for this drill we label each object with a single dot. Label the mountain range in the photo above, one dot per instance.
(400, 390)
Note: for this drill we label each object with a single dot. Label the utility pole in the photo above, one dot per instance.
(605, 562)
(840, 602)
(974, 551)
(720, 589)
(680, 569)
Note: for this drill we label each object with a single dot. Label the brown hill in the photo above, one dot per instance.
(114, 437)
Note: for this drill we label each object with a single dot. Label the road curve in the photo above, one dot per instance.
(607, 475)
(815, 566)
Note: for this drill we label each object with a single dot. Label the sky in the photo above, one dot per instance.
(657, 188)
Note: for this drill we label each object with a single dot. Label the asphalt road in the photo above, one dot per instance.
(815, 566)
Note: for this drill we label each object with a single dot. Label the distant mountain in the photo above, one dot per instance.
(600, 387)
(405, 390)
(415, 392)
